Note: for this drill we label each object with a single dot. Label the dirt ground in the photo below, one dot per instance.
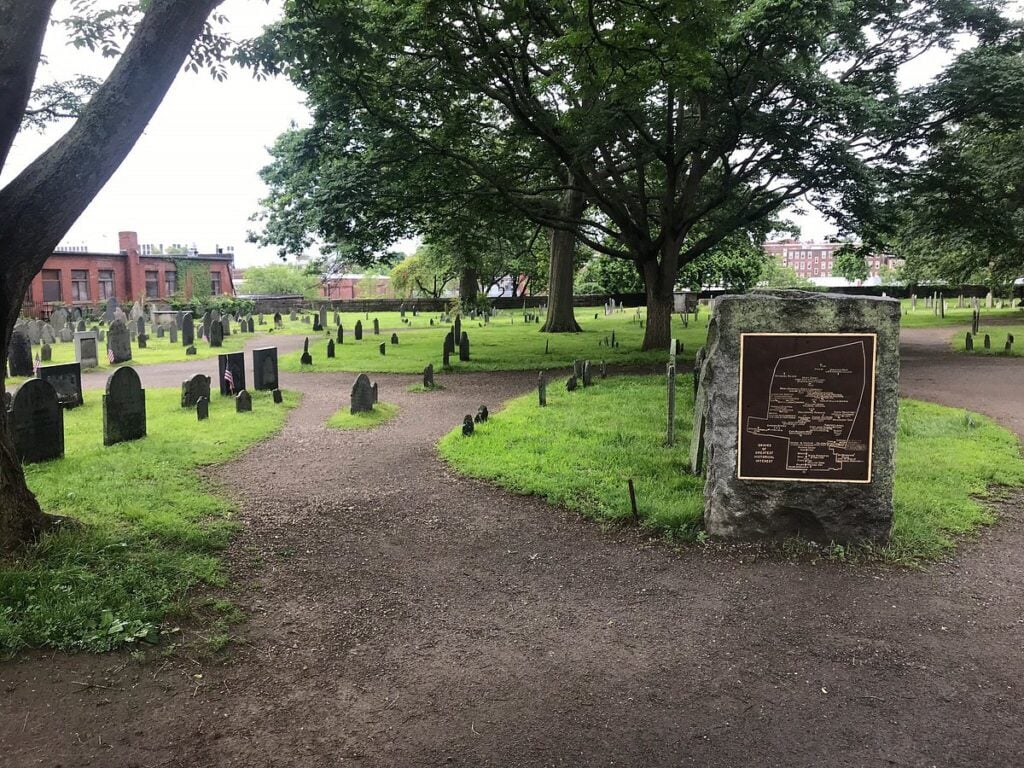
(400, 615)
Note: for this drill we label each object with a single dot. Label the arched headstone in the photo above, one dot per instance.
(124, 407)
(36, 422)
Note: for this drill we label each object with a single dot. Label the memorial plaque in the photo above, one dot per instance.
(806, 406)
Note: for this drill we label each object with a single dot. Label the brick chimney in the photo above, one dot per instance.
(128, 244)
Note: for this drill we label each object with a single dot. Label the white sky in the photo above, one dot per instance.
(193, 176)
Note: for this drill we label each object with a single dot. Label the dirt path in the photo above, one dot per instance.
(403, 616)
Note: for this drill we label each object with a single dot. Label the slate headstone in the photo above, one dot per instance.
(362, 398)
(264, 368)
(341, 335)
(467, 426)
(278, 320)
(124, 407)
(330, 349)
(48, 336)
(58, 318)
(195, 388)
(243, 402)
(19, 353)
(119, 343)
(188, 330)
(457, 330)
(249, 326)
(66, 380)
(203, 408)
(34, 329)
(383, 348)
(322, 317)
(428, 376)
(172, 333)
(358, 331)
(464, 347)
(36, 422)
(542, 389)
(216, 337)
(66, 334)
(231, 372)
(278, 398)
(46, 353)
(306, 358)
(376, 327)
(191, 350)
(571, 384)
(394, 338)
(225, 323)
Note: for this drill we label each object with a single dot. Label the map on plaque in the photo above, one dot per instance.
(806, 406)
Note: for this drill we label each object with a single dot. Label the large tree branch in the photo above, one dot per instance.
(21, 44)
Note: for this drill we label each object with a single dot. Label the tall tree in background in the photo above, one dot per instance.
(40, 204)
(671, 124)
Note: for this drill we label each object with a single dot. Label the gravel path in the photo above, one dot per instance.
(401, 615)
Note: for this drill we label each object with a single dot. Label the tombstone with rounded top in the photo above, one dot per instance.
(36, 422)
(193, 389)
(119, 343)
(362, 398)
(124, 407)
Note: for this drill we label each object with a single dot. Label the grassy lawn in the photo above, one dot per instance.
(923, 317)
(506, 343)
(998, 335)
(381, 412)
(580, 451)
(150, 529)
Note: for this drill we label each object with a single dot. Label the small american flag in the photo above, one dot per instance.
(37, 365)
(110, 355)
(229, 379)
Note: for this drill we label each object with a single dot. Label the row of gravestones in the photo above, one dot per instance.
(36, 419)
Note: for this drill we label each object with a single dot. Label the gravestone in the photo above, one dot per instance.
(119, 343)
(449, 343)
(278, 320)
(188, 330)
(394, 338)
(264, 368)
(464, 347)
(48, 336)
(66, 335)
(261, 319)
(428, 376)
(445, 358)
(143, 338)
(19, 353)
(969, 342)
(195, 388)
(571, 384)
(136, 311)
(587, 374)
(216, 337)
(243, 402)
(59, 318)
(140, 326)
(376, 327)
(250, 326)
(542, 389)
(191, 350)
(306, 358)
(457, 329)
(203, 408)
(341, 335)
(119, 314)
(316, 324)
(278, 398)
(124, 407)
(206, 324)
(363, 395)
(358, 332)
(481, 415)
(159, 331)
(293, 316)
(305, 319)
(36, 422)
(225, 323)
(322, 317)
(330, 349)
(796, 416)
(46, 353)
(34, 329)
(172, 332)
(987, 340)
(66, 380)
(383, 348)
(467, 426)
(337, 318)
(231, 372)
(179, 318)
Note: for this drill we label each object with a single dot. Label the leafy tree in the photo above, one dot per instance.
(775, 274)
(281, 279)
(604, 274)
(849, 263)
(421, 274)
(39, 205)
(650, 130)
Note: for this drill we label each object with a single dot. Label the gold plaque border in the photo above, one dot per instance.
(871, 414)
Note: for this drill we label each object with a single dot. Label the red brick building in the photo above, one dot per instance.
(81, 278)
(812, 260)
(355, 286)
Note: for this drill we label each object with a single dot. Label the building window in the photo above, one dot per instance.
(215, 283)
(152, 284)
(170, 283)
(28, 296)
(51, 285)
(106, 284)
(79, 285)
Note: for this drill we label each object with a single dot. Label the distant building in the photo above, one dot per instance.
(78, 277)
(355, 286)
(814, 261)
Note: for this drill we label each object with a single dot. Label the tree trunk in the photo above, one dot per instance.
(561, 318)
(660, 303)
(468, 287)
(40, 205)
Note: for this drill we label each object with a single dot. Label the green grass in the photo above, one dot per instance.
(381, 413)
(924, 318)
(507, 343)
(150, 530)
(998, 335)
(580, 451)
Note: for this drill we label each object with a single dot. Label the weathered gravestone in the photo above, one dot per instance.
(376, 327)
(193, 389)
(571, 384)
(46, 353)
(143, 338)
(140, 326)
(48, 336)
(481, 415)
(464, 347)
(383, 348)
(188, 330)
(337, 318)
(34, 329)
(796, 416)
(322, 316)
(203, 408)
(293, 316)
(457, 329)
(243, 402)
(358, 331)
(394, 338)
(58, 318)
(119, 343)
(330, 348)
(278, 320)
(264, 368)
(231, 372)
(36, 422)
(542, 389)
(124, 407)
(428, 376)
(66, 380)
(216, 337)
(467, 426)
(66, 334)
(969, 342)
(19, 353)
(341, 335)
(278, 397)
(250, 327)
(363, 396)
(159, 331)
(306, 358)
(190, 350)
(172, 332)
